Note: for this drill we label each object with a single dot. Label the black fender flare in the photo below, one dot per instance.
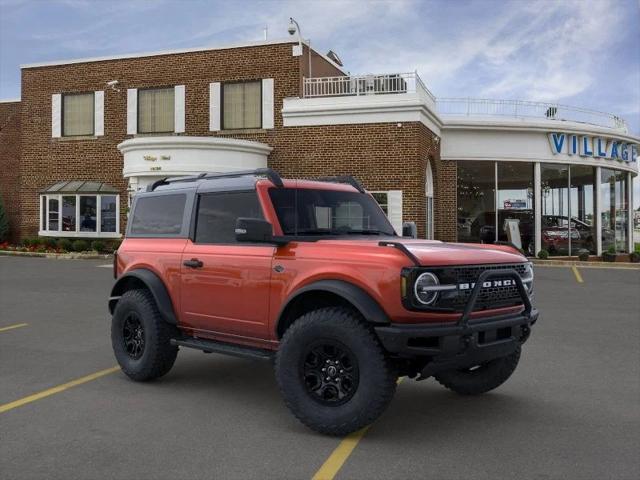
(356, 296)
(153, 283)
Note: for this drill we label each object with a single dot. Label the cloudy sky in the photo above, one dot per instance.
(577, 52)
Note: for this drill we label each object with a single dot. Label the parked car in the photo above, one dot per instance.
(312, 276)
(555, 235)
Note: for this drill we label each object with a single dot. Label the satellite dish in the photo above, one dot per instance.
(334, 57)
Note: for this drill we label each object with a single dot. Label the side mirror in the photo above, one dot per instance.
(254, 230)
(410, 230)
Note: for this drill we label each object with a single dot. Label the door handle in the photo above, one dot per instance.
(193, 263)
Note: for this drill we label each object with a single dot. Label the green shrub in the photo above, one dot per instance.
(4, 223)
(29, 242)
(634, 257)
(611, 249)
(47, 242)
(80, 246)
(583, 255)
(65, 244)
(98, 245)
(543, 254)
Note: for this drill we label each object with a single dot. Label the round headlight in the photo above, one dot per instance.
(423, 288)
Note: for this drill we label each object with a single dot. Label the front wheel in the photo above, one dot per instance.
(332, 372)
(480, 378)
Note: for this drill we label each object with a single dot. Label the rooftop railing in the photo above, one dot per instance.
(525, 109)
(399, 83)
(356, 85)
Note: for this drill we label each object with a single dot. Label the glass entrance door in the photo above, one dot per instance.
(556, 227)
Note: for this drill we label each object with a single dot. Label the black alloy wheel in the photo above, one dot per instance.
(330, 372)
(133, 335)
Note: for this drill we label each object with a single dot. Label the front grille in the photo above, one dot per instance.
(489, 297)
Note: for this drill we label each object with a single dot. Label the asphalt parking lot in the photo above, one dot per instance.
(570, 411)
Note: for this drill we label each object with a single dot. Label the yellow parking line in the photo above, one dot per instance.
(334, 463)
(52, 391)
(11, 327)
(577, 274)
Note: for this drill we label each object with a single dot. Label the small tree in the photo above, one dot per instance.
(4, 223)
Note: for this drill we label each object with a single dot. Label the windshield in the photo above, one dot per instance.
(328, 212)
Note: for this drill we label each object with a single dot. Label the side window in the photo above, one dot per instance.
(158, 215)
(218, 212)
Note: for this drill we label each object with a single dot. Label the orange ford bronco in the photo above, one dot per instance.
(311, 275)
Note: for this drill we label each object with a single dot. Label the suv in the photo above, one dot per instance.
(311, 275)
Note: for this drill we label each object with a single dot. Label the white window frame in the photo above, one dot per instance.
(397, 225)
(77, 233)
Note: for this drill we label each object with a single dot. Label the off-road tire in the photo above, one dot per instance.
(377, 377)
(158, 354)
(485, 378)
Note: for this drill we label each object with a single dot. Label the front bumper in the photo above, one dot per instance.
(465, 343)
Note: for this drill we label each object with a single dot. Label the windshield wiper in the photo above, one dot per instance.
(360, 232)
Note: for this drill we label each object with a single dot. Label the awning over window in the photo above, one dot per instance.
(80, 186)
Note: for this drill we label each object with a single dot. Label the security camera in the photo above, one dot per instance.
(112, 85)
(292, 27)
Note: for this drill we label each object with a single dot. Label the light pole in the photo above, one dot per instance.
(293, 28)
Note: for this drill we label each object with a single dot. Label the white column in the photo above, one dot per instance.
(537, 208)
(598, 213)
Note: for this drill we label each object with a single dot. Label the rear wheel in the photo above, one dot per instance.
(141, 338)
(332, 373)
(480, 378)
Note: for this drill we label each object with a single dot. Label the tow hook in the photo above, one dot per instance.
(526, 331)
(466, 342)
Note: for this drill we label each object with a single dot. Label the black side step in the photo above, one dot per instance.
(211, 346)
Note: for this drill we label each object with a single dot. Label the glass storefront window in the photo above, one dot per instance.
(476, 201)
(108, 216)
(54, 205)
(615, 210)
(88, 214)
(79, 215)
(554, 192)
(69, 214)
(582, 206)
(516, 202)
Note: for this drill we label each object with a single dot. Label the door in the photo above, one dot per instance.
(225, 284)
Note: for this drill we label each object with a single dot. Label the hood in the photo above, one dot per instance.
(436, 253)
(441, 253)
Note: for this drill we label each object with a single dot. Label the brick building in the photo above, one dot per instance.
(87, 134)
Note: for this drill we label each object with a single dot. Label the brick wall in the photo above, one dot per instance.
(10, 162)
(382, 156)
(48, 160)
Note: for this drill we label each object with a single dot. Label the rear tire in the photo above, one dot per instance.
(480, 379)
(357, 382)
(141, 338)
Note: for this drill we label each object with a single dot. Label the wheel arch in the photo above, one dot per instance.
(142, 278)
(324, 293)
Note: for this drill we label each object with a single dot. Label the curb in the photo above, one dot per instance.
(58, 256)
(577, 263)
